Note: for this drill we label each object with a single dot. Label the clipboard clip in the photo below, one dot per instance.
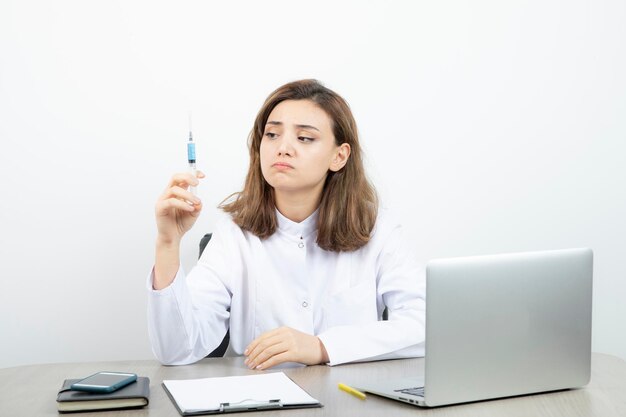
(250, 405)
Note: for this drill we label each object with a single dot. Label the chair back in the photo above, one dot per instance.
(221, 349)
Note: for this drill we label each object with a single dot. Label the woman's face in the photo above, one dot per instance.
(298, 147)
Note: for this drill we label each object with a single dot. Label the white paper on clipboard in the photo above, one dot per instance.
(194, 396)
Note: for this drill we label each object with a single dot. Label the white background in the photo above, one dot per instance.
(489, 126)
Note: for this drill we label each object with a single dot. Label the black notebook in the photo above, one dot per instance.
(134, 395)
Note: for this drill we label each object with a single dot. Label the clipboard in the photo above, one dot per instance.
(235, 394)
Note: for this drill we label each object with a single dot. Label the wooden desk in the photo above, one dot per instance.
(31, 390)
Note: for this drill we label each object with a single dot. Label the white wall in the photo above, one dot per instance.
(490, 126)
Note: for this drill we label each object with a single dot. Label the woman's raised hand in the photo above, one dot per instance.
(177, 209)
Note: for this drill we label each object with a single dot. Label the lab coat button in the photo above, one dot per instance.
(305, 304)
(300, 245)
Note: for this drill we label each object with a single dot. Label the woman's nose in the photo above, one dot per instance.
(285, 146)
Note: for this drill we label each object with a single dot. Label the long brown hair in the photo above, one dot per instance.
(349, 204)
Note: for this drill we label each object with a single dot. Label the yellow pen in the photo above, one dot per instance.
(352, 391)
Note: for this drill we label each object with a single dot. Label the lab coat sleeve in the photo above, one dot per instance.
(401, 282)
(188, 319)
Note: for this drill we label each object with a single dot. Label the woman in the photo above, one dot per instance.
(304, 264)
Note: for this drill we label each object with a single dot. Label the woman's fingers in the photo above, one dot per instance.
(275, 360)
(259, 345)
(263, 337)
(178, 192)
(185, 179)
(163, 206)
(278, 348)
(167, 203)
(254, 344)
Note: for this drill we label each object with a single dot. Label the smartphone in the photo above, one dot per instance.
(104, 382)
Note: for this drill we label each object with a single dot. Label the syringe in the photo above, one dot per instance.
(191, 156)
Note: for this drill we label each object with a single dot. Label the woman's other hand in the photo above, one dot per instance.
(284, 345)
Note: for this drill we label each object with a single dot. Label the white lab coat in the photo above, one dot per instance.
(255, 285)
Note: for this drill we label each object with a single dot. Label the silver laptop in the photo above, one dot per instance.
(502, 325)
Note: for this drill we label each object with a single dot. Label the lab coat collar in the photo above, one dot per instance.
(297, 230)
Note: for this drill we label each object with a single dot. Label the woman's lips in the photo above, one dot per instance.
(282, 166)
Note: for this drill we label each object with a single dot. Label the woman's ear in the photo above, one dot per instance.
(341, 157)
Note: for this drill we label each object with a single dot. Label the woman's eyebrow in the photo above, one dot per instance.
(275, 123)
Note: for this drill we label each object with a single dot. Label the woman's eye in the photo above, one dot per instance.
(270, 135)
(305, 139)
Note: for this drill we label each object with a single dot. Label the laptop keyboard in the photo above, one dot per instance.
(417, 391)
